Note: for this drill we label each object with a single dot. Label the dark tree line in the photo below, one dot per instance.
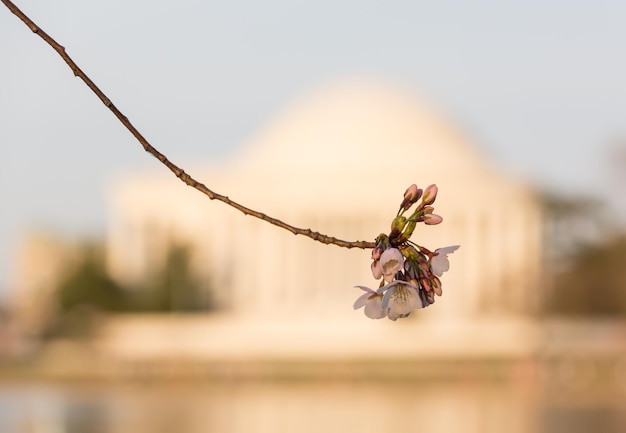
(86, 290)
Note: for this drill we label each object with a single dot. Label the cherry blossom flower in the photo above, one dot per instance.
(391, 261)
(410, 272)
(372, 301)
(400, 299)
(439, 261)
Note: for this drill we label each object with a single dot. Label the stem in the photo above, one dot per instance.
(179, 172)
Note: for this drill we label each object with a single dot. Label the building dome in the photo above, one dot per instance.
(337, 142)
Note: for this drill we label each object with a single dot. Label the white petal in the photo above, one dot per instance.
(394, 316)
(406, 299)
(448, 250)
(386, 297)
(439, 265)
(388, 289)
(389, 277)
(361, 301)
(384, 288)
(439, 262)
(374, 308)
(366, 289)
(391, 261)
(377, 272)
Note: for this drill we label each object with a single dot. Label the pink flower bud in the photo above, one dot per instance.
(436, 285)
(411, 195)
(430, 194)
(432, 219)
(411, 192)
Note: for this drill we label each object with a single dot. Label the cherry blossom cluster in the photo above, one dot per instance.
(408, 273)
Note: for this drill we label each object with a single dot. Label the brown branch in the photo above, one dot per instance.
(180, 173)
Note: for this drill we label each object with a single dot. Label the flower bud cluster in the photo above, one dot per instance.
(408, 273)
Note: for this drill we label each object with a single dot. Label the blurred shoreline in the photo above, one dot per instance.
(567, 354)
(569, 377)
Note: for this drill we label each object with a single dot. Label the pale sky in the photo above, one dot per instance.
(538, 85)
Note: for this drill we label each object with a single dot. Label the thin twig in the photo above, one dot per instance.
(180, 173)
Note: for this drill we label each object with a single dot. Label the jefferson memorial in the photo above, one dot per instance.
(337, 162)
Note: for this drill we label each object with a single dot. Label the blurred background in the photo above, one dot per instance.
(130, 302)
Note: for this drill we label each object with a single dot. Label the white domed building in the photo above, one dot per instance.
(338, 163)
